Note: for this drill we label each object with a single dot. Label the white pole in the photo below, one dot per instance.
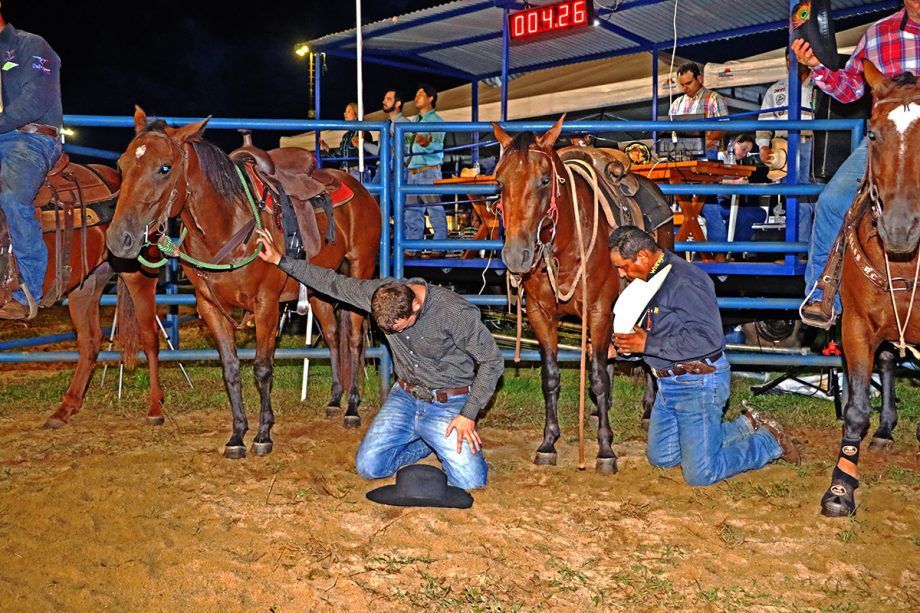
(359, 42)
(308, 341)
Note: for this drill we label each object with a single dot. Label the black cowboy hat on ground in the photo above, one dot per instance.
(420, 485)
(812, 21)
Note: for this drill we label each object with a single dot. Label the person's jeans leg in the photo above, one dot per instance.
(413, 216)
(663, 440)
(436, 214)
(830, 210)
(391, 441)
(716, 230)
(466, 470)
(25, 160)
(748, 215)
(706, 458)
(806, 209)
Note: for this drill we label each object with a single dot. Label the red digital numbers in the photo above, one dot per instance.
(552, 18)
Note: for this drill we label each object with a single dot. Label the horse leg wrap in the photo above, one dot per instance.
(846, 473)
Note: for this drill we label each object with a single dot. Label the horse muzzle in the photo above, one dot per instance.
(900, 234)
(518, 257)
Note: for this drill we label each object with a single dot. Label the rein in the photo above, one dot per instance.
(169, 249)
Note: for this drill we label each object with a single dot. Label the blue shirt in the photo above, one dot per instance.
(31, 74)
(433, 154)
(682, 321)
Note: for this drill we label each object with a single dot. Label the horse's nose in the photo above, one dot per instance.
(127, 241)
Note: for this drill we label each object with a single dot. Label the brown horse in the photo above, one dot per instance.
(75, 203)
(172, 172)
(539, 214)
(880, 273)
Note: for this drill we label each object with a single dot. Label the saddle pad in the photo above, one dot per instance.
(342, 195)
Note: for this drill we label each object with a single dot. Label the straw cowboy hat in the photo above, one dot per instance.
(632, 302)
(421, 485)
(777, 162)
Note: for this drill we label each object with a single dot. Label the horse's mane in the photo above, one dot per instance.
(522, 142)
(905, 79)
(216, 165)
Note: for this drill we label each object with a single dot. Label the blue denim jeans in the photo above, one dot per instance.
(407, 429)
(716, 216)
(686, 428)
(414, 216)
(806, 209)
(25, 160)
(830, 211)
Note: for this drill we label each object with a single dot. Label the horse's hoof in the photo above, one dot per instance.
(261, 449)
(838, 501)
(156, 421)
(881, 444)
(606, 466)
(235, 452)
(645, 423)
(545, 459)
(352, 421)
(333, 411)
(54, 423)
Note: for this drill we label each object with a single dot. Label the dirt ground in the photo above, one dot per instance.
(111, 514)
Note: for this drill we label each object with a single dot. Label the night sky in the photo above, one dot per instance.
(203, 57)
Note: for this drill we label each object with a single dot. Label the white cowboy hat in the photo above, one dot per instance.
(631, 305)
(777, 162)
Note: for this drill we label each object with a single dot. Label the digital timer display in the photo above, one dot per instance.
(549, 19)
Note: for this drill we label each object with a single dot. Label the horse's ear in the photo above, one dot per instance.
(140, 119)
(879, 83)
(552, 135)
(501, 136)
(191, 132)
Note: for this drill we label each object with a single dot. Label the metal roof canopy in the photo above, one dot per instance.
(468, 39)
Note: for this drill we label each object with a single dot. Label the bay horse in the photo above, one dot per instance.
(75, 204)
(880, 273)
(538, 214)
(173, 172)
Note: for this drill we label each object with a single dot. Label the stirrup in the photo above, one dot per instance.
(303, 300)
(33, 305)
(809, 320)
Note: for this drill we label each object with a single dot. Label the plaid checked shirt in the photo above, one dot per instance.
(706, 101)
(893, 50)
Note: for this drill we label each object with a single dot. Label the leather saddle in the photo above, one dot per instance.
(291, 173)
(628, 199)
(72, 198)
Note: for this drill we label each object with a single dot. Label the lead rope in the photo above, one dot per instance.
(902, 346)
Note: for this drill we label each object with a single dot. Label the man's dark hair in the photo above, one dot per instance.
(391, 302)
(628, 241)
(431, 92)
(691, 67)
(397, 97)
(745, 138)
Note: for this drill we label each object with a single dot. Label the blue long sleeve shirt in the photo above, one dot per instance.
(682, 320)
(433, 153)
(31, 81)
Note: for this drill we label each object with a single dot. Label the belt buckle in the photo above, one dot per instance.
(423, 393)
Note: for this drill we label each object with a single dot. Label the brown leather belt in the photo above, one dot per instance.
(39, 128)
(696, 367)
(413, 171)
(432, 395)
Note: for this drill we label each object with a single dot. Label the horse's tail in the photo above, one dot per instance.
(128, 337)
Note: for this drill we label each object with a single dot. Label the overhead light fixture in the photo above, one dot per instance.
(302, 50)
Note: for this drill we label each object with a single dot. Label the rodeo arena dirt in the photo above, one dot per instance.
(427, 444)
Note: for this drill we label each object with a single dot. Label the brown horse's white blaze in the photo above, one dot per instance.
(880, 270)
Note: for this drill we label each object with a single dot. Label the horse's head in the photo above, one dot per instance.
(894, 139)
(529, 179)
(154, 182)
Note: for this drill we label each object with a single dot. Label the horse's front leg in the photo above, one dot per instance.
(600, 384)
(143, 291)
(883, 438)
(83, 304)
(544, 328)
(224, 336)
(839, 500)
(325, 315)
(263, 368)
